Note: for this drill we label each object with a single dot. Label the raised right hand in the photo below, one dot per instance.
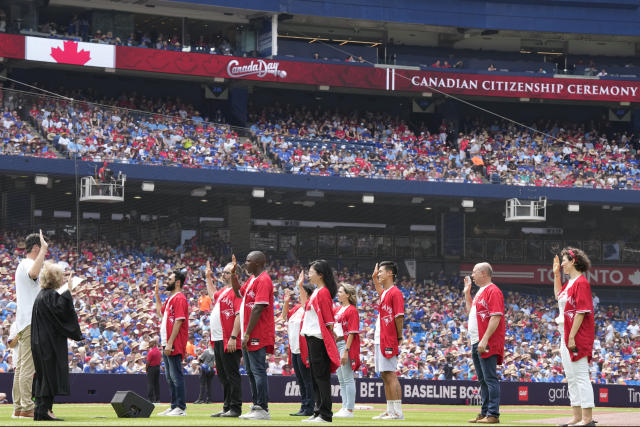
(157, 286)
(235, 263)
(300, 281)
(374, 275)
(208, 272)
(287, 296)
(556, 265)
(43, 243)
(467, 284)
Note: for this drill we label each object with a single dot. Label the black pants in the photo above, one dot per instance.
(43, 405)
(303, 374)
(321, 377)
(228, 367)
(205, 394)
(153, 383)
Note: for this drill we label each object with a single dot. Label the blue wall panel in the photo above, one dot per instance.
(619, 17)
(30, 165)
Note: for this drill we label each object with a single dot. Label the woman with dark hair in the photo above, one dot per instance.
(347, 330)
(293, 319)
(576, 324)
(317, 328)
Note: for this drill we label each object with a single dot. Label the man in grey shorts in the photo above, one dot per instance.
(388, 336)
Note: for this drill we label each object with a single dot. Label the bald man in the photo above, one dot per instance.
(486, 329)
(257, 330)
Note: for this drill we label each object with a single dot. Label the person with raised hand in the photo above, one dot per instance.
(226, 348)
(388, 336)
(27, 288)
(577, 327)
(293, 319)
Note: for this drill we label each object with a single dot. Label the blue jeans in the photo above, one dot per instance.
(303, 374)
(345, 377)
(173, 373)
(255, 363)
(489, 385)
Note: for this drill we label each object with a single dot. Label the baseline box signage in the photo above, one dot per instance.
(543, 275)
(100, 388)
(316, 74)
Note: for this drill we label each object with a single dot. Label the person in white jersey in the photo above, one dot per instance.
(27, 288)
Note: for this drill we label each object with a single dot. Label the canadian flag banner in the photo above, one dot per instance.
(70, 52)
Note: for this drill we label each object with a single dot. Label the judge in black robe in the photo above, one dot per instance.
(53, 320)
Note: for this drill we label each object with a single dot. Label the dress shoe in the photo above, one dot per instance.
(477, 418)
(16, 413)
(27, 414)
(230, 414)
(489, 419)
(45, 417)
(198, 402)
(217, 414)
(301, 413)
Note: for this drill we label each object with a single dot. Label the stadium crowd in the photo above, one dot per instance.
(320, 142)
(116, 311)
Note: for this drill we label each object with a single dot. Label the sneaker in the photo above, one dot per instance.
(27, 414)
(165, 412)
(343, 413)
(249, 414)
(310, 419)
(381, 416)
(177, 412)
(260, 414)
(393, 416)
(16, 414)
(319, 420)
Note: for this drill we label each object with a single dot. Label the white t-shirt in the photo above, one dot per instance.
(311, 324)
(248, 288)
(163, 328)
(293, 327)
(474, 334)
(337, 327)
(216, 321)
(562, 302)
(377, 333)
(26, 292)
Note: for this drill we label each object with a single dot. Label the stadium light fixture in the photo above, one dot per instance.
(148, 186)
(258, 193)
(417, 200)
(467, 203)
(324, 87)
(42, 179)
(368, 198)
(199, 192)
(573, 207)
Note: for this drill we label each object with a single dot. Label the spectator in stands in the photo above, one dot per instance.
(436, 64)
(446, 65)
(361, 60)
(542, 71)
(602, 73)
(350, 59)
(154, 359)
(3, 22)
(458, 64)
(576, 321)
(316, 55)
(491, 67)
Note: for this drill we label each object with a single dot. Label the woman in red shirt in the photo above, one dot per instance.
(347, 329)
(317, 328)
(576, 323)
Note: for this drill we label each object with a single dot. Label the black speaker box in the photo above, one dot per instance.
(128, 404)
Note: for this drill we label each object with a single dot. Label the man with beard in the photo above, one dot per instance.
(174, 331)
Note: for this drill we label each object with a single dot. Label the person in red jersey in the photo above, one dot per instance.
(576, 324)
(388, 336)
(226, 346)
(317, 329)
(174, 332)
(347, 330)
(257, 330)
(486, 329)
(154, 358)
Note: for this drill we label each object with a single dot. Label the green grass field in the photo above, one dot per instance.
(103, 414)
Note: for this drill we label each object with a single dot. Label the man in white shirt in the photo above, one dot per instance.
(27, 288)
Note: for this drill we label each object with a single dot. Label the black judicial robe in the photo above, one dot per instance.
(53, 320)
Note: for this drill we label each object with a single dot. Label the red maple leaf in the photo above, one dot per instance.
(69, 54)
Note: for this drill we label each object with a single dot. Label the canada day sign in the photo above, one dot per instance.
(259, 68)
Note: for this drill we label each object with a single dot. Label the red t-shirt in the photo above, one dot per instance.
(491, 303)
(178, 308)
(259, 291)
(390, 307)
(579, 300)
(154, 357)
(229, 306)
(350, 321)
